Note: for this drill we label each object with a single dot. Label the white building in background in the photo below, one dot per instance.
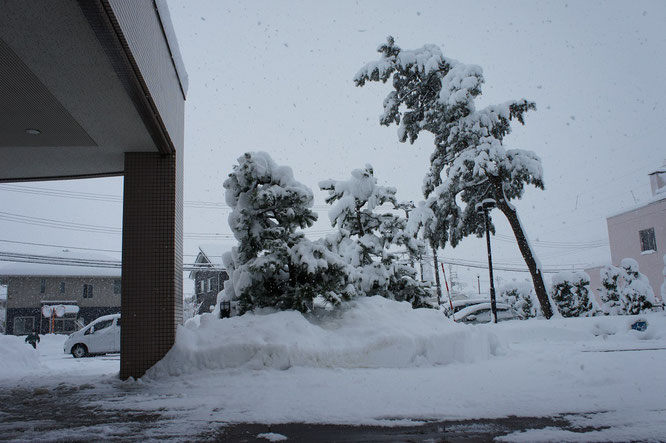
(640, 233)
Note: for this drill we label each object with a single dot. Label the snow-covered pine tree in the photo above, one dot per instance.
(571, 294)
(367, 239)
(636, 293)
(422, 225)
(274, 264)
(436, 94)
(518, 296)
(610, 290)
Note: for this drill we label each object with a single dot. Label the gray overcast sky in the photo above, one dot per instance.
(277, 76)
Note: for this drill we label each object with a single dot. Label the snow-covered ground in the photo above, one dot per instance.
(376, 362)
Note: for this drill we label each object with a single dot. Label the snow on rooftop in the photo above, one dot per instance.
(214, 251)
(65, 263)
(655, 199)
(660, 170)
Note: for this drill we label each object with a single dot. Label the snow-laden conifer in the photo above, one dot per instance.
(274, 264)
(610, 290)
(571, 294)
(637, 295)
(518, 295)
(624, 290)
(370, 240)
(470, 163)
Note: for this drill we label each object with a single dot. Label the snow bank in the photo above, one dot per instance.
(18, 356)
(371, 332)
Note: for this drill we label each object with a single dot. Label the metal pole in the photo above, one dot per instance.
(447, 290)
(493, 304)
(478, 282)
(439, 285)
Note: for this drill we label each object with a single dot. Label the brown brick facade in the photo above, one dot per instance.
(152, 268)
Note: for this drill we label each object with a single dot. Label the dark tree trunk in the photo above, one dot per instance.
(525, 249)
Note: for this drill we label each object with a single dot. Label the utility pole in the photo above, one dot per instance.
(483, 208)
(437, 283)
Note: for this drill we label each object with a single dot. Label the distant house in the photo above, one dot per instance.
(209, 275)
(59, 297)
(640, 233)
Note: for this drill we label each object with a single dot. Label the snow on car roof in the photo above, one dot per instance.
(105, 317)
(468, 301)
(478, 307)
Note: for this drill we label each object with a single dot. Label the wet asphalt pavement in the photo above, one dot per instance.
(64, 414)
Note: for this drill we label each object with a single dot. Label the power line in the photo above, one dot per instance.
(555, 245)
(85, 263)
(498, 266)
(58, 246)
(115, 198)
(82, 227)
(71, 247)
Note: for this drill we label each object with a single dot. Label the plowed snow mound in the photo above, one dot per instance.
(370, 332)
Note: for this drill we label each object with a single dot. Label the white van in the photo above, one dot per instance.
(100, 337)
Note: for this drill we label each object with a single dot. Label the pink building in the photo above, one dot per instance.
(640, 233)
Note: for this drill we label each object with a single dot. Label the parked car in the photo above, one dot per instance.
(461, 304)
(101, 336)
(480, 313)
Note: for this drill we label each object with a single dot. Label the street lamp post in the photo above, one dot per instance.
(483, 208)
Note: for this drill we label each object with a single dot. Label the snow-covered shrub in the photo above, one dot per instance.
(637, 294)
(624, 290)
(274, 264)
(571, 294)
(610, 290)
(368, 240)
(518, 295)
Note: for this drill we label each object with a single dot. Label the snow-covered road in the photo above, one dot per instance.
(558, 368)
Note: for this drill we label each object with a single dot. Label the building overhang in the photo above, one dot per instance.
(82, 83)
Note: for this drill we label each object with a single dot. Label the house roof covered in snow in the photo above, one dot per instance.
(660, 170)
(654, 200)
(63, 263)
(211, 253)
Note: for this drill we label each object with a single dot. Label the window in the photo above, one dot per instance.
(648, 241)
(87, 291)
(116, 286)
(202, 285)
(103, 325)
(23, 325)
(42, 285)
(98, 327)
(210, 283)
(62, 287)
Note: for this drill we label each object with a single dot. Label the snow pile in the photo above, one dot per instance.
(17, 356)
(371, 332)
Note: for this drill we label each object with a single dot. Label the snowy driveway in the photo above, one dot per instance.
(558, 369)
